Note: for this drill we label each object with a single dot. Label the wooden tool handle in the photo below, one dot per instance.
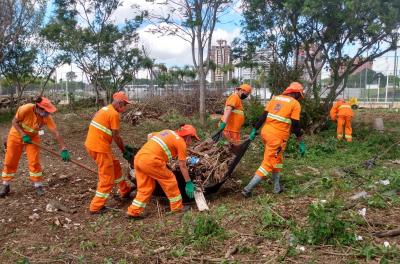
(58, 155)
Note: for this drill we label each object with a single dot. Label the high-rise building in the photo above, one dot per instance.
(261, 59)
(301, 58)
(221, 56)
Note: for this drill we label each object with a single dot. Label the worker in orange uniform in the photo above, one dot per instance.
(26, 128)
(342, 113)
(281, 117)
(150, 166)
(103, 129)
(233, 118)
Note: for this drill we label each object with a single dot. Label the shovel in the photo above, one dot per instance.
(216, 137)
(58, 155)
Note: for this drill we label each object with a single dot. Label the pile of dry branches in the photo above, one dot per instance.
(213, 162)
(5, 102)
(186, 104)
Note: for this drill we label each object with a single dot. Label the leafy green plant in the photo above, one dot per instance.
(87, 245)
(325, 226)
(377, 201)
(252, 109)
(200, 230)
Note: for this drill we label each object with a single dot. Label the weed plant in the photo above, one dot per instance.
(326, 226)
(201, 230)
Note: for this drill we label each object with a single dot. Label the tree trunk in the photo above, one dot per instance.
(202, 87)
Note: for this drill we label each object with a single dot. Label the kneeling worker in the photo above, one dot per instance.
(151, 165)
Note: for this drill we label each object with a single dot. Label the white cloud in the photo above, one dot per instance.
(173, 50)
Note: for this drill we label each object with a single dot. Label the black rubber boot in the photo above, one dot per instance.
(4, 190)
(39, 190)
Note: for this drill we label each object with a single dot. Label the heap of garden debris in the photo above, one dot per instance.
(214, 159)
(187, 104)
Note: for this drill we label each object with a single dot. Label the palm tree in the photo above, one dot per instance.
(148, 64)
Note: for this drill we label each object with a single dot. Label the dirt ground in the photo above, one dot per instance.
(30, 234)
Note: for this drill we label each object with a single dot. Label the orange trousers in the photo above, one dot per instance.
(273, 154)
(346, 122)
(148, 170)
(232, 137)
(110, 174)
(15, 146)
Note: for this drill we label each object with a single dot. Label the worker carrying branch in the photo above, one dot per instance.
(151, 165)
(26, 128)
(233, 118)
(103, 129)
(281, 117)
(342, 113)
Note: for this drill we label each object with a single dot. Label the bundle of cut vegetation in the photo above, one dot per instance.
(213, 162)
(186, 103)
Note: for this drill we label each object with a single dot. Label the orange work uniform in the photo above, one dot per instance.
(342, 113)
(235, 120)
(98, 145)
(31, 123)
(276, 131)
(151, 165)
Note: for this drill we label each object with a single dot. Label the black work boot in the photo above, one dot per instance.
(4, 190)
(39, 190)
(130, 195)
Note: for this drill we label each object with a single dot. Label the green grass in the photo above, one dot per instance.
(6, 116)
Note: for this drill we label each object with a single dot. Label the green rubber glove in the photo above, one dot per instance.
(128, 155)
(302, 148)
(189, 188)
(252, 135)
(27, 139)
(129, 148)
(222, 125)
(65, 156)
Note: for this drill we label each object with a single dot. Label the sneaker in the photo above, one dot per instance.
(39, 190)
(4, 190)
(102, 210)
(246, 194)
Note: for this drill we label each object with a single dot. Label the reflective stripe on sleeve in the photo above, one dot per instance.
(101, 127)
(239, 112)
(27, 128)
(344, 106)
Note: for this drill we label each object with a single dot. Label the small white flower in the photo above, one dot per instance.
(386, 244)
(362, 212)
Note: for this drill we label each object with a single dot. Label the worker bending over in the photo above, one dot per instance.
(26, 128)
(281, 117)
(233, 118)
(342, 113)
(151, 165)
(103, 129)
